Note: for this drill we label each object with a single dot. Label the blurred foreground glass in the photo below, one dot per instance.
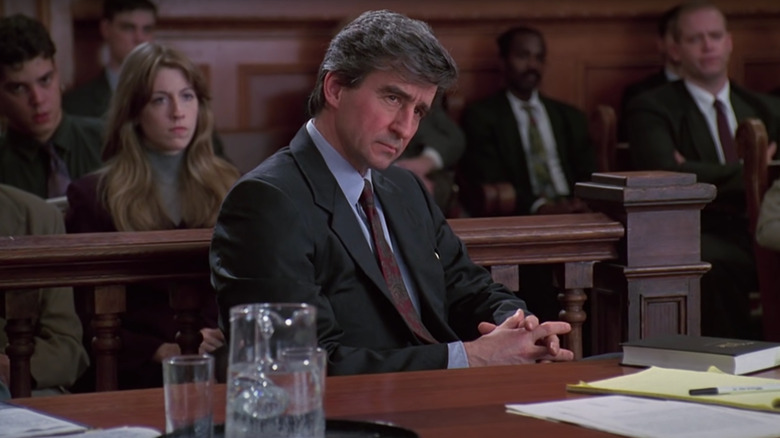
(189, 395)
(275, 381)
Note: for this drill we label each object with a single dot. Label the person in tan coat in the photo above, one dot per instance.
(59, 358)
(768, 227)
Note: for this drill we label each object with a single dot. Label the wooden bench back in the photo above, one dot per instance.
(752, 143)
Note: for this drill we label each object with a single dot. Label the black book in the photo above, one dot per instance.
(698, 353)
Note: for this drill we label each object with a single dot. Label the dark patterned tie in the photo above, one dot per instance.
(538, 157)
(724, 132)
(58, 173)
(389, 267)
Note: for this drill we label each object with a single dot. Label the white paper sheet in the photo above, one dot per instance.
(648, 418)
(16, 422)
(24, 423)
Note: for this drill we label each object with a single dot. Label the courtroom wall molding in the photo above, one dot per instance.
(282, 10)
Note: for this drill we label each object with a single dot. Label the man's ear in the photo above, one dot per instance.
(674, 51)
(729, 43)
(332, 88)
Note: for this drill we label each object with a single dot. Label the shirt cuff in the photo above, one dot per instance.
(538, 203)
(434, 155)
(457, 356)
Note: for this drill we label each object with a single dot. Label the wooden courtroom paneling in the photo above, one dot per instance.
(762, 73)
(263, 55)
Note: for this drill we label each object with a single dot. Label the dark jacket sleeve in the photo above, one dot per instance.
(656, 131)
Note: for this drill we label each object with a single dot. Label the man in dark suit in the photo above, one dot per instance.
(43, 148)
(125, 24)
(539, 145)
(668, 73)
(689, 126)
(329, 221)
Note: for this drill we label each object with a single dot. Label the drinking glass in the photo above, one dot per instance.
(189, 393)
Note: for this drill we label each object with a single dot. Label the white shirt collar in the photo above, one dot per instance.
(670, 75)
(533, 101)
(349, 179)
(704, 98)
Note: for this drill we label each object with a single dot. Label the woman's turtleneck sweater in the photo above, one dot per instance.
(166, 170)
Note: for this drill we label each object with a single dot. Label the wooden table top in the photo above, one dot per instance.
(436, 404)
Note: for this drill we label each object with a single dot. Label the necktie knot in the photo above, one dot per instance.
(367, 195)
(59, 178)
(529, 109)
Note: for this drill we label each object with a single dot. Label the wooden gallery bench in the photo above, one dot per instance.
(636, 258)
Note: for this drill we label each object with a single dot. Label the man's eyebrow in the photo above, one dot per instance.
(423, 107)
(394, 89)
(46, 75)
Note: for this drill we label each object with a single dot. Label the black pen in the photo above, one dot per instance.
(718, 390)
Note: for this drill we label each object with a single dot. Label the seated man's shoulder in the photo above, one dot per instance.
(72, 97)
(279, 172)
(647, 83)
(88, 98)
(487, 103)
(85, 134)
(567, 109)
(88, 124)
(25, 213)
(770, 100)
(405, 181)
(279, 164)
(399, 175)
(668, 96)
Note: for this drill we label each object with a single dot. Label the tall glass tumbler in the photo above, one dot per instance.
(189, 393)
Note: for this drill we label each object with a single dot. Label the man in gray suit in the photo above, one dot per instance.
(689, 126)
(329, 221)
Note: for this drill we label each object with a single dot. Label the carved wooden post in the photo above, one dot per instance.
(109, 302)
(655, 282)
(572, 279)
(20, 308)
(186, 300)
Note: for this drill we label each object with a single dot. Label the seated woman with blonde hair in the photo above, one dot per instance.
(160, 173)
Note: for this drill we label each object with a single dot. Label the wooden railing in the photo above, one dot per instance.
(638, 255)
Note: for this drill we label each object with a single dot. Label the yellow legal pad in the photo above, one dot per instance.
(669, 383)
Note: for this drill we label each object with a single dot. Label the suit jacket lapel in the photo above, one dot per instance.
(694, 126)
(328, 196)
(742, 108)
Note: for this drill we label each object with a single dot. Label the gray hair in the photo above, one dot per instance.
(386, 41)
